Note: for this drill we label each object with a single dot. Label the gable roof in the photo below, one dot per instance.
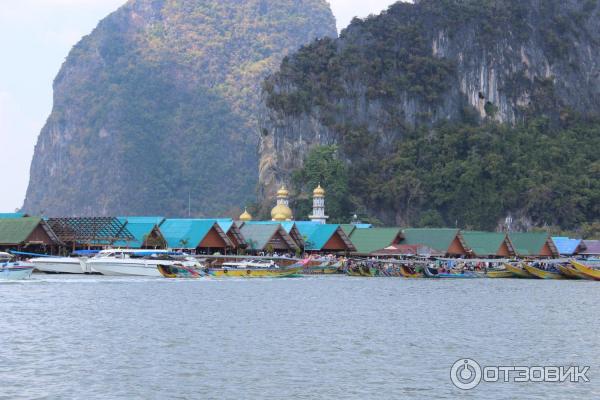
(189, 233)
(289, 226)
(90, 230)
(14, 231)
(531, 243)
(592, 247)
(485, 243)
(367, 241)
(258, 236)
(566, 246)
(407, 250)
(141, 228)
(348, 228)
(317, 235)
(437, 238)
(231, 228)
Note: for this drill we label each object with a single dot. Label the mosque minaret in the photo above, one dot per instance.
(318, 213)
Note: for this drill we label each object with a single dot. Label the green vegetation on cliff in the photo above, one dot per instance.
(473, 175)
(451, 112)
(159, 105)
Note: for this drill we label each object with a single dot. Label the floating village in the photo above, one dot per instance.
(281, 247)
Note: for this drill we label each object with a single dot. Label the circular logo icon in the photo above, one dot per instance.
(465, 374)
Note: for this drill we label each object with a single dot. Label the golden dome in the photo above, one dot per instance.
(319, 191)
(281, 213)
(283, 192)
(246, 216)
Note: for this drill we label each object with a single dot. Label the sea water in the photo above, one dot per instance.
(333, 337)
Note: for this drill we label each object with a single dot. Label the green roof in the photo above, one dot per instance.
(437, 239)
(367, 241)
(14, 231)
(483, 243)
(529, 243)
(257, 236)
(348, 228)
(187, 233)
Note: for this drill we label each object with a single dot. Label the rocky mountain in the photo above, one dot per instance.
(453, 112)
(156, 109)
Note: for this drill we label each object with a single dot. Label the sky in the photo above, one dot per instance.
(35, 38)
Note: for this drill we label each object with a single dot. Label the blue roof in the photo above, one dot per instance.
(140, 228)
(185, 233)
(566, 246)
(146, 220)
(316, 235)
(224, 223)
(139, 232)
(11, 215)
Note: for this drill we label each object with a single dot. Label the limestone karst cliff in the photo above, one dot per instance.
(157, 106)
(525, 69)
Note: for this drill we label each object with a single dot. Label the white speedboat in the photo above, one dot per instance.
(14, 270)
(132, 262)
(60, 265)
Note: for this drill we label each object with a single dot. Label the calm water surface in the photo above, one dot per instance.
(64, 337)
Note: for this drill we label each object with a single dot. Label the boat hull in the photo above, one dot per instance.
(179, 272)
(541, 274)
(464, 275)
(588, 272)
(323, 269)
(408, 273)
(15, 273)
(59, 265)
(496, 274)
(255, 273)
(571, 272)
(138, 268)
(518, 272)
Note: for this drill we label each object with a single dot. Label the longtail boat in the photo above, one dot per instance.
(571, 273)
(256, 270)
(362, 270)
(589, 272)
(432, 273)
(518, 271)
(325, 268)
(541, 274)
(368, 271)
(410, 272)
(496, 274)
(179, 271)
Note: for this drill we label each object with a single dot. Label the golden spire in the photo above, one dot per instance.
(283, 192)
(282, 211)
(246, 216)
(319, 191)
